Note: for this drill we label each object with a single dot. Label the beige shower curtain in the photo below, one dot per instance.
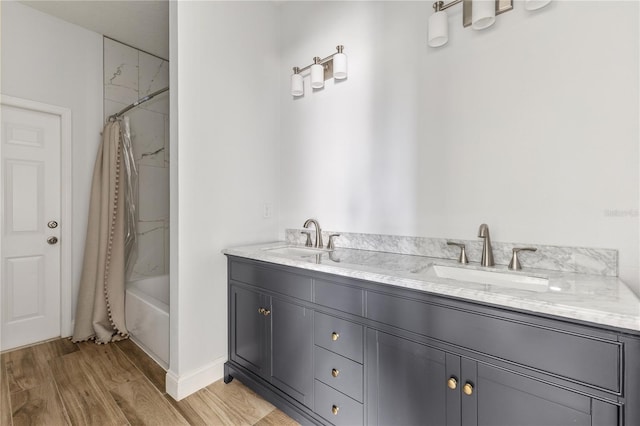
(100, 308)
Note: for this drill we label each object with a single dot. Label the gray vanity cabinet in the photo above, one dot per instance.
(341, 351)
(273, 338)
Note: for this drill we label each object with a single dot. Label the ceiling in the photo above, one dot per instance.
(141, 24)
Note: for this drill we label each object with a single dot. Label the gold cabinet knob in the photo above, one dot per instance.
(335, 410)
(335, 336)
(452, 383)
(266, 312)
(261, 311)
(467, 388)
(335, 372)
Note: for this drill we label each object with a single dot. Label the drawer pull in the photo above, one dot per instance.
(266, 312)
(261, 311)
(335, 410)
(335, 372)
(452, 383)
(467, 388)
(335, 336)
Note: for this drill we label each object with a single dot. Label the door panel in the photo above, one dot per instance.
(292, 350)
(30, 198)
(247, 335)
(505, 398)
(407, 382)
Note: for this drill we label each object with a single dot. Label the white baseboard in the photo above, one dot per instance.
(181, 386)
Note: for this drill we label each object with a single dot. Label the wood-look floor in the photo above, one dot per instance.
(62, 383)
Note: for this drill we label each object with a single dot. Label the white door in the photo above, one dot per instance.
(30, 185)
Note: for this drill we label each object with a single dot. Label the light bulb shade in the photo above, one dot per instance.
(535, 4)
(297, 87)
(317, 76)
(339, 66)
(438, 29)
(483, 14)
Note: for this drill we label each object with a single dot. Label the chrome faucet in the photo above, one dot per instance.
(318, 232)
(487, 252)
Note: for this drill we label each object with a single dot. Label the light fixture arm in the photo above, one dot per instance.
(501, 7)
(439, 5)
(322, 61)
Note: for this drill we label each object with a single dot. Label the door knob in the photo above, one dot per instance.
(52, 240)
(467, 389)
(452, 383)
(52, 224)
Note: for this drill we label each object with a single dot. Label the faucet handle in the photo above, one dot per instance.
(463, 253)
(331, 244)
(308, 234)
(515, 262)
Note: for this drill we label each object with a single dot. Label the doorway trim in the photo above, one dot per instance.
(66, 205)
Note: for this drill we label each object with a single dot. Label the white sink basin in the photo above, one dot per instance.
(495, 278)
(295, 251)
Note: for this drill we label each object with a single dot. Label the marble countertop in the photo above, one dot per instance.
(597, 299)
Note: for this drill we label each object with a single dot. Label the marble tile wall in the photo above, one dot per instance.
(130, 74)
(593, 261)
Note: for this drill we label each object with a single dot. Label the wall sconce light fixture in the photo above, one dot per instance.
(322, 69)
(478, 14)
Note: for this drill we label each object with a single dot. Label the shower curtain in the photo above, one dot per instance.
(100, 307)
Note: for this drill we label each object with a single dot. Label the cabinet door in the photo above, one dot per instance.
(291, 350)
(500, 397)
(407, 383)
(248, 330)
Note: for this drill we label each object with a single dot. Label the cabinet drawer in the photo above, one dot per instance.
(339, 336)
(339, 372)
(590, 360)
(336, 407)
(340, 297)
(293, 285)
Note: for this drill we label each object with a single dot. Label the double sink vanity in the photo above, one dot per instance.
(353, 336)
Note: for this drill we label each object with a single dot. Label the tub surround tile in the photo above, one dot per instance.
(120, 72)
(153, 75)
(147, 134)
(112, 107)
(554, 258)
(597, 299)
(153, 199)
(150, 254)
(129, 75)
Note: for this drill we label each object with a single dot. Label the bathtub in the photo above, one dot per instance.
(147, 316)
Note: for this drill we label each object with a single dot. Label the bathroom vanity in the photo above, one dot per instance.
(332, 342)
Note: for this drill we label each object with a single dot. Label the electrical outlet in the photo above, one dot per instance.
(267, 211)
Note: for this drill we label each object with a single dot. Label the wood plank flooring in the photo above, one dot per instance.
(63, 383)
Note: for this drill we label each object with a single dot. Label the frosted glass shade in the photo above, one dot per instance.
(438, 29)
(535, 4)
(317, 76)
(297, 87)
(483, 14)
(339, 66)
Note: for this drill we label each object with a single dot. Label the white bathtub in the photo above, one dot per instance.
(147, 316)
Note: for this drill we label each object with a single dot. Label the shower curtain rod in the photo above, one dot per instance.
(138, 102)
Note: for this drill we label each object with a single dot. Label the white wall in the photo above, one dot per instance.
(48, 60)
(224, 155)
(531, 126)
